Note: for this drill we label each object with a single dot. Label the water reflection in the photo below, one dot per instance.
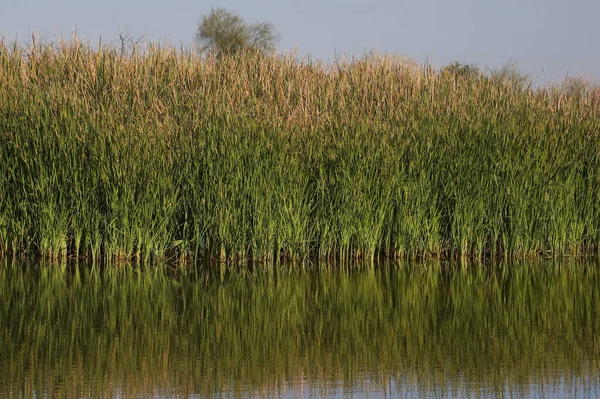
(435, 329)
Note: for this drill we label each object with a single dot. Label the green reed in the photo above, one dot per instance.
(162, 153)
(91, 329)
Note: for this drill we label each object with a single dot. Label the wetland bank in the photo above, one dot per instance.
(267, 182)
(164, 154)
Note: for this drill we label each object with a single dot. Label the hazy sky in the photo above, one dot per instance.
(549, 38)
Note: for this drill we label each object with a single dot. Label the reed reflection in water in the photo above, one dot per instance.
(394, 330)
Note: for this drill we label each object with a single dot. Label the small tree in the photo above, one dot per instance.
(224, 32)
(509, 74)
(577, 87)
(461, 71)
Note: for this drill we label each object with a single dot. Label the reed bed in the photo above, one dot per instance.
(161, 153)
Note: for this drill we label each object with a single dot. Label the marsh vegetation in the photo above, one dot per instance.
(159, 153)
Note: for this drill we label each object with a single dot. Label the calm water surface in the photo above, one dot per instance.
(434, 330)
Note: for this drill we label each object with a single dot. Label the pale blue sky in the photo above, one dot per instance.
(549, 38)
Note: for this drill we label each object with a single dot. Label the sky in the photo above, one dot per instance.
(549, 39)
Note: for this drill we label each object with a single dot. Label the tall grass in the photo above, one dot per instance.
(161, 153)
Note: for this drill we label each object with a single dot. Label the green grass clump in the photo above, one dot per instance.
(259, 157)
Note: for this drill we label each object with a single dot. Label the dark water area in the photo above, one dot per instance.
(441, 330)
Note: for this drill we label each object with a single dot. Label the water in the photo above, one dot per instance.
(434, 330)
